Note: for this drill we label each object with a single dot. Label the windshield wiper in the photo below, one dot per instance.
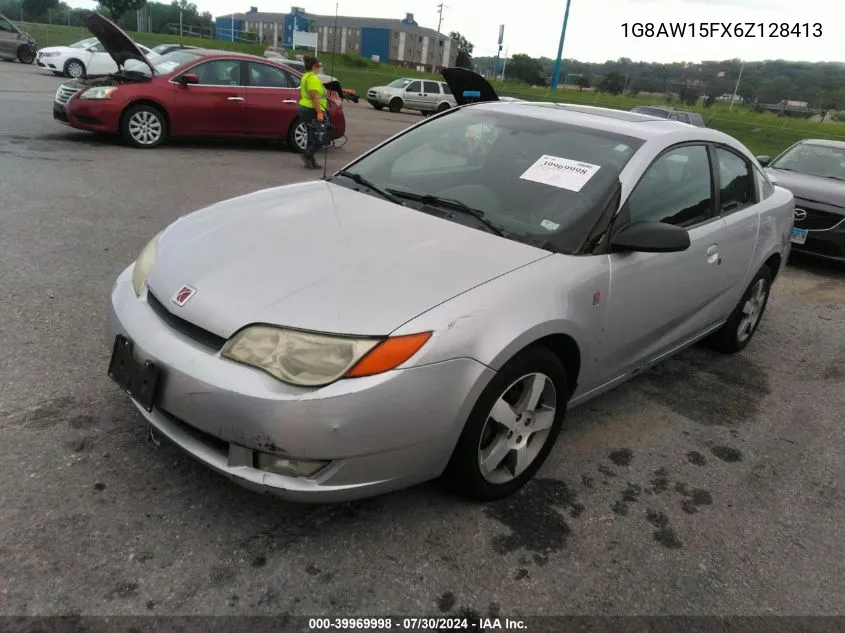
(454, 205)
(358, 178)
(835, 177)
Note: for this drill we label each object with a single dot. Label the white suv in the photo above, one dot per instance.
(424, 95)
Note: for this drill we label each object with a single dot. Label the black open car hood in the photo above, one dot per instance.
(467, 86)
(115, 40)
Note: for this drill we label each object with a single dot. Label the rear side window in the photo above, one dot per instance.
(446, 89)
(736, 181)
(431, 87)
(697, 119)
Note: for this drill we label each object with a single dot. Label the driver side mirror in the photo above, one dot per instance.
(763, 160)
(189, 78)
(651, 237)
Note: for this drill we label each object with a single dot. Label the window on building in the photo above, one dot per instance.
(420, 38)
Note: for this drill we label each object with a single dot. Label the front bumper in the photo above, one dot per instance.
(827, 244)
(380, 433)
(48, 64)
(92, 115)
(375, 98)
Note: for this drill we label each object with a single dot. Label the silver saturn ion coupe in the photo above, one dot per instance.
(434, 308)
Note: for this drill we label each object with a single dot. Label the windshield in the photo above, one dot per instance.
(651, 111)
(164, 64)
(539, 180)
(399, 83)
(85, 43)
(815, 160)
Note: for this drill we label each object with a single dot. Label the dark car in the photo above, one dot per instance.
(14, 43)
(190, 92)
(684, 116)
(814, 171)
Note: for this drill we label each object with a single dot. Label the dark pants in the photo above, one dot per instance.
(309, 116)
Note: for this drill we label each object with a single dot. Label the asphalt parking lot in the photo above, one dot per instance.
(710, 485)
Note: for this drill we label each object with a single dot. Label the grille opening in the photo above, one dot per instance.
(193, 332)
(214, 443)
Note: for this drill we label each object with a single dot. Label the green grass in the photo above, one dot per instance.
(763, 133)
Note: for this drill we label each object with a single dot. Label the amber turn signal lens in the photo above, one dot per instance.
(389, 354)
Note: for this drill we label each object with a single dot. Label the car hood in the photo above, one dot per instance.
(318, 256)
(57, 49)
(115, 40)
(811, 188)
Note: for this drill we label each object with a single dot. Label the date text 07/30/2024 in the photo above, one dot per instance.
(723, 29)
(416, 624)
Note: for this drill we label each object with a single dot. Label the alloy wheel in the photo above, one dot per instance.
(752, 311)
(145, 127)
(75, 70)
(517, 428)
(300, 136)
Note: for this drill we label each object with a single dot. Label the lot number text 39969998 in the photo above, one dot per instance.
(722, 29)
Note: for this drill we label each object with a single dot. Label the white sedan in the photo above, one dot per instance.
(85, 58)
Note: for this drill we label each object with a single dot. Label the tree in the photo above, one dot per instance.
(116, 8)
(525, 68)
(37, 8)
(613, 82)
(582, 81)
(464, 46)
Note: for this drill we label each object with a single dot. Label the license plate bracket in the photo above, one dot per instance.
(798, 236)
(139, 380)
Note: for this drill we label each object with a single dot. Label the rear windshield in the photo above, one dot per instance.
(652, 111)
(164, 64)
(540, 180)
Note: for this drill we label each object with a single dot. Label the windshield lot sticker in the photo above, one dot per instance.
(560, 172)
(549, 225)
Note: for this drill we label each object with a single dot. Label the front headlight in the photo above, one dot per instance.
(144, 264)
(310, 359)
(49, 54)
(98, 92)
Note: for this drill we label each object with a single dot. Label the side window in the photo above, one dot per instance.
(219, 72)
(446, 89)
(265, 76)
(676, 189)
(674, 117)
(431, 87)
(5, 26)
(414, 86)
(735, 180)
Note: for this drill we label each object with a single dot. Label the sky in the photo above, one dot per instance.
(594, 30)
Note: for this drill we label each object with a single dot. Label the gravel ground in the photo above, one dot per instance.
(709, 485)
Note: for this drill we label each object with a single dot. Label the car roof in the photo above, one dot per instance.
(823, 142)
(632, 124)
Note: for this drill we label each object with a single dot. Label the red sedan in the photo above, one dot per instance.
(191, 92)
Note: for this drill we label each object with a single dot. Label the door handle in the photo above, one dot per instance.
(713, 255)
(289, 101)
(235, 99)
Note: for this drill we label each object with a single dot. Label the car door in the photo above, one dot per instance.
(658, 301)
(738, 201)
(99, 62)
(413, 96)
(431, 95)
(216, 106)
(8, 39)
(272, 97)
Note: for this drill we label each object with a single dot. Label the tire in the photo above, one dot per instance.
(482, 433)
(58, 73)
(443, 107)
(740, 327)
(395, 104)
(298, 136)
(143, 126)
(378, 106)
(26, 55)
(74, 69)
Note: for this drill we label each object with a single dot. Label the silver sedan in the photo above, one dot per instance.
(434, 308)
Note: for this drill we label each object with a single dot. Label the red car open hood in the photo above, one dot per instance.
(115, 40)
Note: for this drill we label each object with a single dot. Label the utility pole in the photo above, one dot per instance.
(556, 71)
(736, 88)
(440, 8)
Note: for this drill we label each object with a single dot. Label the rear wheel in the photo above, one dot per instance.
(442, 107)
(512, 427)
(298, 136)
(26, 55)
(74, 69)
(736, 333)
(144, 126)
(395, 104)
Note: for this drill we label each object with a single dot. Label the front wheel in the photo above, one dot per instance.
(144, 126)
(395, 104)
(512, 428)
(26, 54)
(378, 106)
(736, 333)
(75, 69)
